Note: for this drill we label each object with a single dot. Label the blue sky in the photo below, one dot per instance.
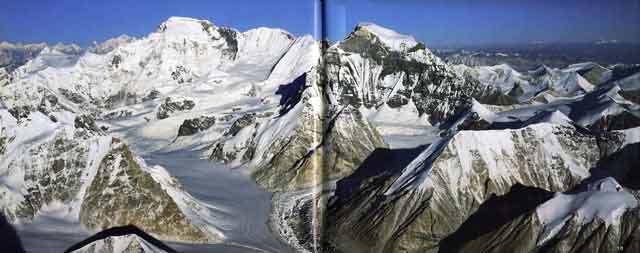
(436, 22)
(460, 22)
(83, 21)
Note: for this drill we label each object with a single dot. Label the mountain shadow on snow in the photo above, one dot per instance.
(10, 239)
(291, 93)
(495, 212)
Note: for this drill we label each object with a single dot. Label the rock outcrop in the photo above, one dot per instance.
(195, 125)
(174, 104)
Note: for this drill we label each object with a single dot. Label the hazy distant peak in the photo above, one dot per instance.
(606, 42)
(9, 45)
(67, 48)
(110, 44)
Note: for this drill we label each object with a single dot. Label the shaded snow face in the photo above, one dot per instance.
(605, 200)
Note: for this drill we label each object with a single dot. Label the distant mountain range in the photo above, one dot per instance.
(15, 55)
(528, 56)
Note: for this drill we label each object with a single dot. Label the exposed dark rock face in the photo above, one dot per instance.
(118, 114)
(182, 75)
(5, 78)
(116, 60)
(171, 105)
(516, 91)
(397, 100)
(87, 122)
(21, 112)
(153, 94)
(631, 95)
(122, 193)
(496, 97)
(218, 153)
(240, 123)
(244, 148)
(299, 218)
(121, 97)
(624, 120)
(383, 75)
(230, 36)
(195, 125)
(50, 103)
(474, 122)
(72, 96)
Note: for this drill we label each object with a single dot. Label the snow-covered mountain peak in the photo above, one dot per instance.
(541, 70)
(182, 28)
(268, 30)
(264, 40)
(182, 23)
(391, 38)
(179, 19)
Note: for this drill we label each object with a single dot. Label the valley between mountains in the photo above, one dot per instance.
(216, 140)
